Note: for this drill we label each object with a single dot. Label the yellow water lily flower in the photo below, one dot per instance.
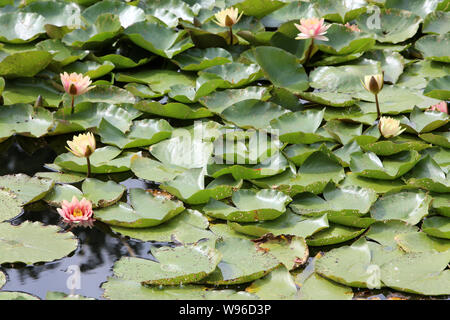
(374, 83)
(228, 17)
(390, 127)
(82, 145)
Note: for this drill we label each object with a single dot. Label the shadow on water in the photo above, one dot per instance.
(98, 248)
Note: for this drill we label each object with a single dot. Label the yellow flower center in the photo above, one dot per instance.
(77, 213)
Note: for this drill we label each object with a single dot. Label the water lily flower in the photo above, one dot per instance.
(312, 28)
(227, 18)
(77, 213)
(374, 84)
(390, 127)
(75, 84)
(441, 106)
(83, 146)
(352, 27)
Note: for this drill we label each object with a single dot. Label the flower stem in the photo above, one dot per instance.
(73, 100)
(231, 35)
(378, 107)
(88, 167)
(308, 53)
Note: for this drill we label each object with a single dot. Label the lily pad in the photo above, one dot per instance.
(249, 206)
(32, 242)
(127, 14)
(146, 210)
(421, 242)
(429, 175)
(370, 166)
(414, 207)
(29, 25)
(12, 207)
(199, 59)
(26, 189)
(434, 47)
(340, 11)
(334, 234)
(316, 287)
(241, 262)
(277, 285)
(437, 227)
(179, 265)
(148, 169)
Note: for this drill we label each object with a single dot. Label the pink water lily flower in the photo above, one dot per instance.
(75, 84)
(441, 106)
(77, 213)
(352, 27)
(313, 28)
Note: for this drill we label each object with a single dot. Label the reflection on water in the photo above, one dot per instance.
(98, 248)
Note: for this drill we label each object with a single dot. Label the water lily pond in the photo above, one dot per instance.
(228, 149)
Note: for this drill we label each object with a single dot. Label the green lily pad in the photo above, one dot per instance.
(334, 234)
(437, 138)
(394, 145)
(127, 14)
(241, 262)
(434, 47)
(2, 279)
(91, 69)
(343, 41)
(22, 61)
(252, 114)
(342, 131)
(146, 210)
(104, 95)
(199, 59)
(31, 26)
(441, 203)
(12, 207)
(340, 11)
(437, 227)
(426, 121)
(370, 166)
(170, 11)
(298, 153)
(277, 285)
(55, 295)
(61, 177)
(101, 194)
(178, 265)
(436, 22)
(32, 242)
(414, 206)
(148, 169)
(26, 90)
(249, 206)
(118, 289)
(13, 295)
(187, 227)
(333, 99)
(174, 110)
(421, 242)
(438, 88)
(104, 160)
(316, 287)
(220, 100)
(158, 39)
(142, 133)
(288, 223)
(300, 127)
(290, 251)
(62, 54)
(392, 63)
(105, 28)
(26, 189)
(24, 119)
(289, 12)
(281, 68)
(394, 26)
(386, 232)
(190, 187)
(419, 7)
(344, 200)
(421, 273)
(428, 174)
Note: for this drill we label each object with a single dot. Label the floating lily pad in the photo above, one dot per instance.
(190, 187)
(441, 203)
(414, 207)
(340, 11)
(370, 166)
(334, 234)
(434, 47)
(394, 145)
(316, 287)
(32, 242)
(187, 227)
(127, 14)
(179, 265)
(199, 59)
(290, 251)
(421, 273)
(249, 206)
(26, 189)
(29, 25)
(142, 133)
(429, 175)
(287, 224)
(426, 121)
(333, 99)
(12, 207)
(2, 279)
(148, 169)
(117, 289)
(91, 69)
(104, 160)
(158, 39)
(421, 242)
(13, 295)
(437, 227)
(437, 138)
(104, 95)
(436, 22)
(438, 88)
(277, 285)
(25, 90)
(60, 177)
(146, 210)
(241, 262)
